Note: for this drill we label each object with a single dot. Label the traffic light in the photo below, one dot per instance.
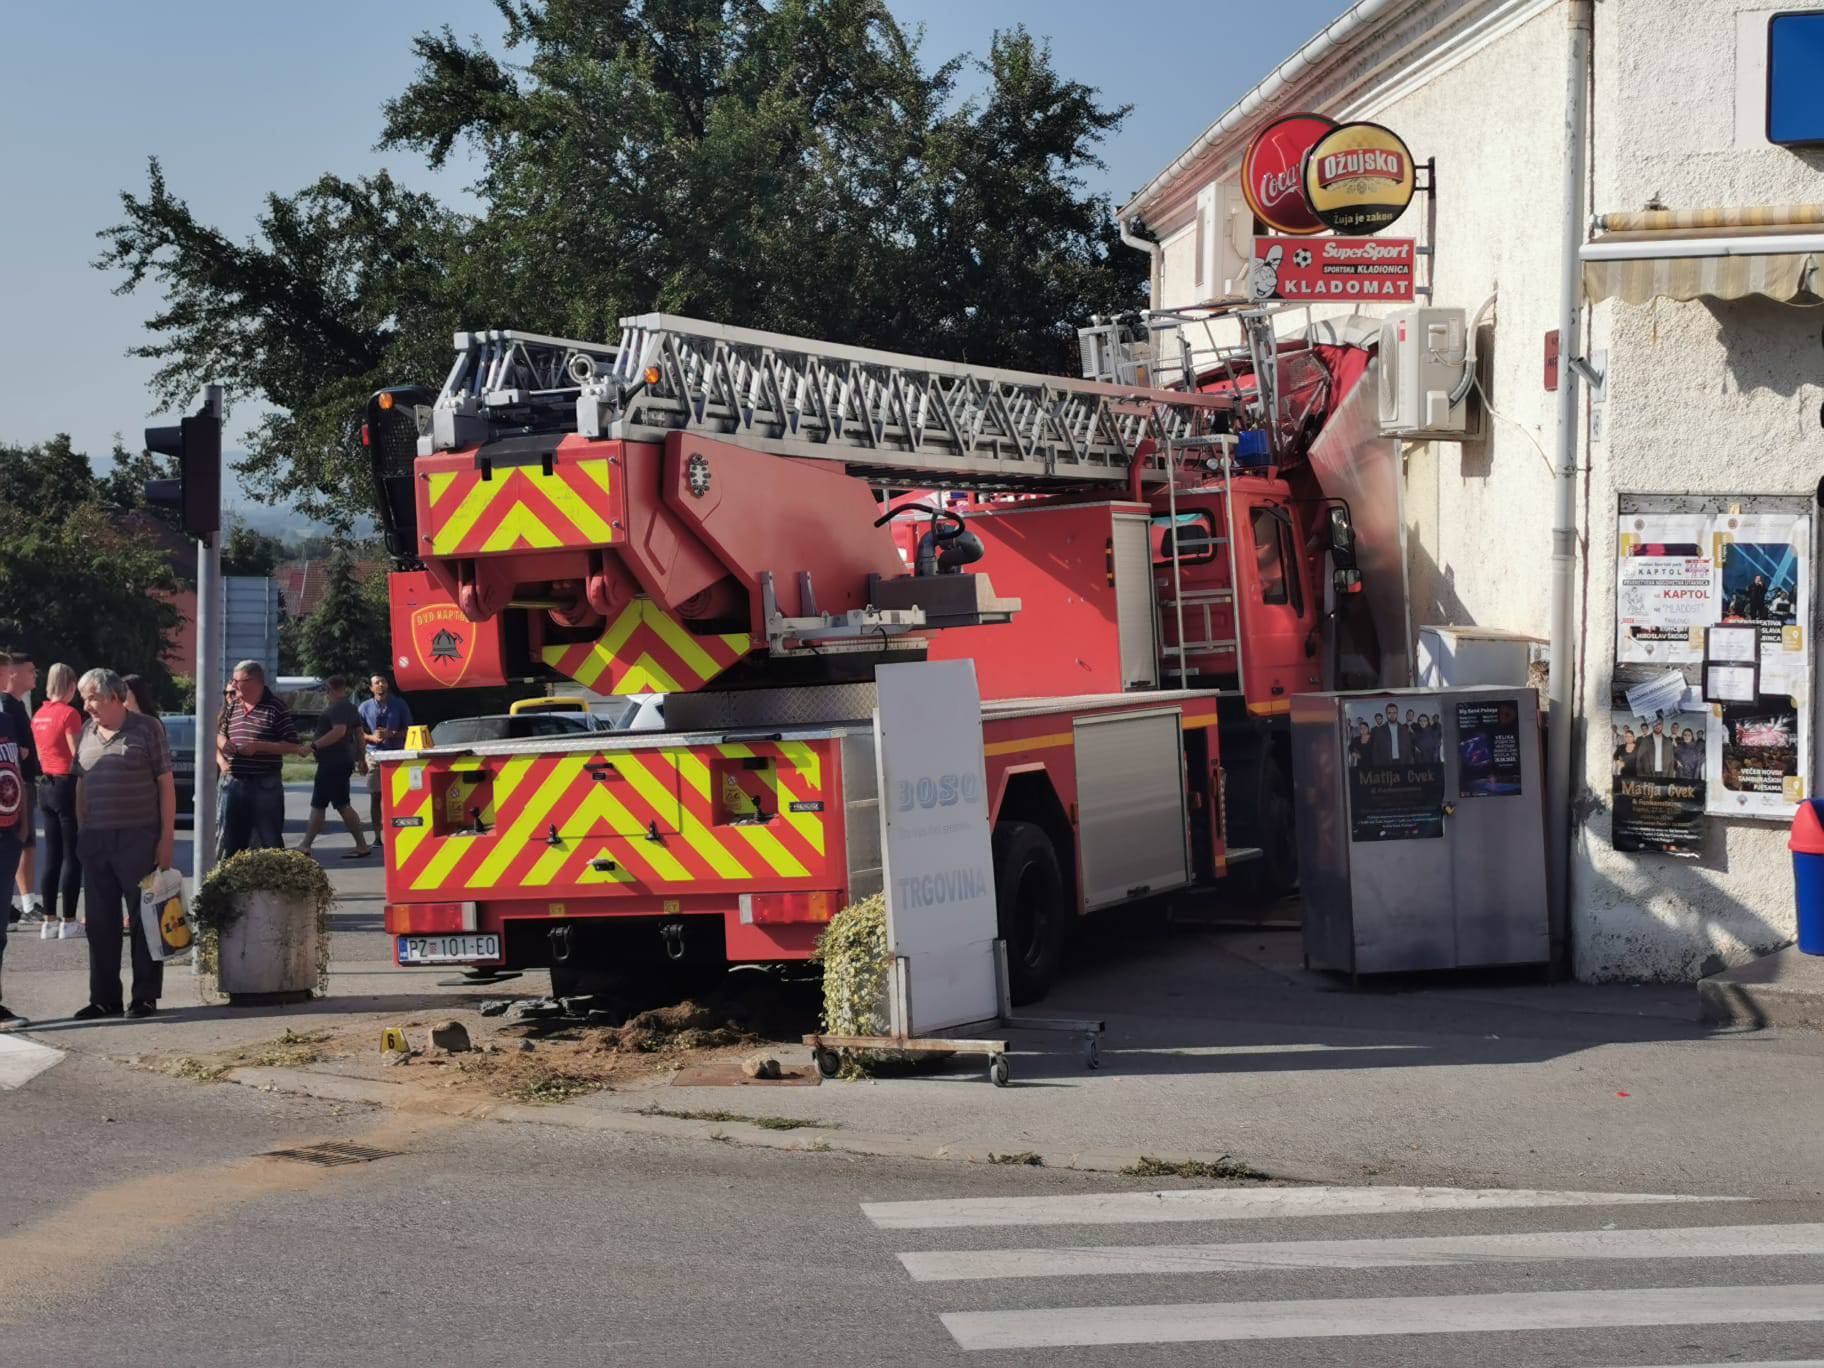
(196, 442)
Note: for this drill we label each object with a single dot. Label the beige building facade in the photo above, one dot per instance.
(1700, 396)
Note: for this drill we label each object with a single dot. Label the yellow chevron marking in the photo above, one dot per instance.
(598, 470)
(439, 484)
(602, 653)
(767, 846)
(646, 675)
(701, 839)
(674, 635)
(805, 760)
(407, 839)
(570, 503)
(438, 870)
(663, 862)
(809, 825)
(520, 524)
(449, 536)
(509, 843)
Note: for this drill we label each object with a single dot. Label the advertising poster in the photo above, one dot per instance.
(1665, 588)
(1658, 785)
(1331, 268)
(1755, 753)
(1488, 748)
(1763, 565)
(1396, 769)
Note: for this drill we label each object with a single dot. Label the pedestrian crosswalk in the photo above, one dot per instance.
(23, 1060)
(1605, 1234)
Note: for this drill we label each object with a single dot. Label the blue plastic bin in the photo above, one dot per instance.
(1807, 847)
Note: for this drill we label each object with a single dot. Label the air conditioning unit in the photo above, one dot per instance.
(1421, 361)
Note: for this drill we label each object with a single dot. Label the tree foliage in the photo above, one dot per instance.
(82, 580)
(246, 551)
(792, 165)
(347, 634)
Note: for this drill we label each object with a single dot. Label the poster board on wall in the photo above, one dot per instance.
(1687, 564)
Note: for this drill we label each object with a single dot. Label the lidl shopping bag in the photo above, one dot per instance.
(163, 915)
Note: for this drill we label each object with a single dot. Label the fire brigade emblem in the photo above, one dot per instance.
(445, 642)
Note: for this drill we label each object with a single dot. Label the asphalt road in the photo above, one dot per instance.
(143, 1219)
(143, 1222)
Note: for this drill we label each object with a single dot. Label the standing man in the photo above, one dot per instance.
(339, 732)
(384, 718)
(1757, 600)
(257, 734)
(1660, 758)
(18, 677)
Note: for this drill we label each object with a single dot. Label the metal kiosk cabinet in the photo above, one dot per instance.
(1421, 841)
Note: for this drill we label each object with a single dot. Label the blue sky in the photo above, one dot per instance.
(241, 98)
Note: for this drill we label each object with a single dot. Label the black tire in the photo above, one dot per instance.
(1029, 907)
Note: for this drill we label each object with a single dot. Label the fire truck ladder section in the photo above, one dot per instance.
(896, 420)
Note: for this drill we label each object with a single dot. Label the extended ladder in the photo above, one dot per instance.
(894, 418)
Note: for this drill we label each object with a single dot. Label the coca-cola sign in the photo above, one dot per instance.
(1272, 173)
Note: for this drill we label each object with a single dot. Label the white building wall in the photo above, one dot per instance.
(1702, 397)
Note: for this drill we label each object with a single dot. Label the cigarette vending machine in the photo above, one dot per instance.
(1421, 836)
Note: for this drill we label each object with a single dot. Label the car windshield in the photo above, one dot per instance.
(503, 727)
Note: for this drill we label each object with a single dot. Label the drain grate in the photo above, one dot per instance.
(332, 1152)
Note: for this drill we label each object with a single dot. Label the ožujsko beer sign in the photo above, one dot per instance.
(1357, 178)
(1305, 173)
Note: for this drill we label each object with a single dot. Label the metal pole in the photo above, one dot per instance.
(1564, 481)
(208, 688)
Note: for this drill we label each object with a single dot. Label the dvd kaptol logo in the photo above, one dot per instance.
(1358, 178)
(930, 791)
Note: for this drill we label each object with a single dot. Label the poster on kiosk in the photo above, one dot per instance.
(938, 865)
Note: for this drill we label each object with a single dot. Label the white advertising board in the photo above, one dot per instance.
(938, 862)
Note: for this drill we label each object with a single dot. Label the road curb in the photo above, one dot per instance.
(809, 1139)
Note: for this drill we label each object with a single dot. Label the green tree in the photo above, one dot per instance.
(247, 552)
(791, 165)
(348, 634)
(81, 580)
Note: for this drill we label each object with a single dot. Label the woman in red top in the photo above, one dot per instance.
(55, 727)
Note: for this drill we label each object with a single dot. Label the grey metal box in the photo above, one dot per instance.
(1422, 846)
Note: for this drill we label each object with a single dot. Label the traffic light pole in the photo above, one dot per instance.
(208, 662)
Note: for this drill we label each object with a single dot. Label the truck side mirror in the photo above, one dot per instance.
(1342, 537)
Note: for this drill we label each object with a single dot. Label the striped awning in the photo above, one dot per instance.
(1772, 250)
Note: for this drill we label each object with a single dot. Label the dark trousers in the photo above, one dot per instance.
(10, 850)
(253, 815)
(60, 865)
(113, 863)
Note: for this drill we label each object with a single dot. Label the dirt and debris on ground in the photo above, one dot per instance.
(553, 1053)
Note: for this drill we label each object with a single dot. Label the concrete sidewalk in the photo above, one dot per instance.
(1218, 1042)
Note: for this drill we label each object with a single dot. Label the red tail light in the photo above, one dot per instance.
(771, 909)
(431, 918)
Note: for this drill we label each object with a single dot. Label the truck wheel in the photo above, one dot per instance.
(1029, 906)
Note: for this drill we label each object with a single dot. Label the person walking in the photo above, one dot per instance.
(257, 734)
(12, 808)
(56, 728)
(384, 718)
(18, 677)
(338, 734)
(127, 809)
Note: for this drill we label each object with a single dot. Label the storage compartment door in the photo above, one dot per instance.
(1130, 805)
(1131, 556)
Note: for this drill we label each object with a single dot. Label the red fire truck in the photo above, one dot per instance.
(750, 524)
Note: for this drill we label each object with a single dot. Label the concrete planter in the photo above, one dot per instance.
(268, 952)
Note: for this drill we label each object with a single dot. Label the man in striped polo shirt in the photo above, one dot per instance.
(257, 734)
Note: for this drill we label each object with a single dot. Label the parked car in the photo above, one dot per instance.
(463, 731)
(181, 731)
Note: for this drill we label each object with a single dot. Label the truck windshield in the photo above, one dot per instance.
(1193, 536)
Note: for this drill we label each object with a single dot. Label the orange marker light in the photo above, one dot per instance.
(652, 375)
(386, 401)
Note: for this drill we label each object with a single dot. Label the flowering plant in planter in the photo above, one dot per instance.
(290, 875)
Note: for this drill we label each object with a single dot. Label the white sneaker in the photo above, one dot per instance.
(70, 931)
(48, 931)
